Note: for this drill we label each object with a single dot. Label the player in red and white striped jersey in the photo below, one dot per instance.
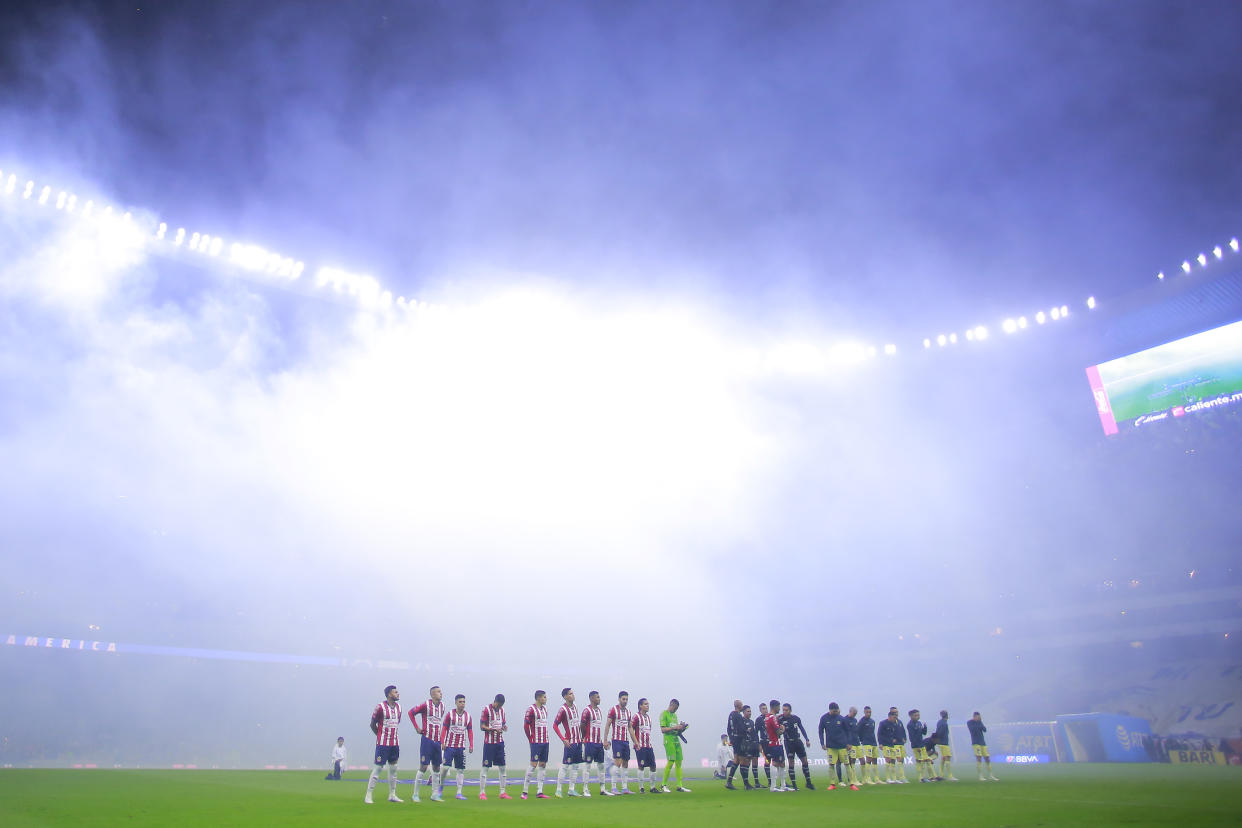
(593, 743)
(385, 720)
(640, 726)
(535, 723)
(458, 727)
(617, 736)
(492, 723)
(428, 720)
(568, 728)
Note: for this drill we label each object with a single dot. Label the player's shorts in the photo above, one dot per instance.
(387, 754)
(776, 753)
(920, 754)
(746, 750)
(980, 750)
(593, 752)
(646, 757)
(572, 755)
(539, 752)
(494, 755)
(945, 751)
(672, 750)
(620, 750)
(838, 755)
(868, 751)
(430, 752)
(455, 758)
(763, 751)
(795, 749)
(855, 752)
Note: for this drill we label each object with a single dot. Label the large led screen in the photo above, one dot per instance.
(1177, 379)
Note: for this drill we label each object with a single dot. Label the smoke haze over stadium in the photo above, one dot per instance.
(615, 455)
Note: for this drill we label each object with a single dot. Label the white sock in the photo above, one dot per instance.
(574, 770)
(374, 777)
(392, 779)
(501, 769)
(560, 778)
(616, 771)
(526, 780)
(461, 780)
(543, 775)
(483, 781)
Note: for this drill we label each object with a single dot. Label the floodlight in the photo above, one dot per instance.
(1185, 267)
(1040, 318)
(926, 343)
(953, 339)
(1055, 313)
(297, 269)
(1202, 260)
(29, 189)
(90, 206)
(180, 236)
(1217, 252)
(891, 349)
(941, 340)
(970, 334)
(1090, 303)
(1022, 322)
(1064, 311)
(60, 200)
(1233, 243)
(159, 234)
(194, 241)
(73, 202)
(1160, 275)
(47, 191)
(981, 332)
(1009, 326)
(216, 244)
(8, 190)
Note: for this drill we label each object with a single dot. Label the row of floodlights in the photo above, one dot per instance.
(250, 257)
(979, 333)
(1218, 251)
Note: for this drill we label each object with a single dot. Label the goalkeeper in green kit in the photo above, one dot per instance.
(672, 730)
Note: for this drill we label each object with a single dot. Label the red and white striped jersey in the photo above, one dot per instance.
(388, 716)
(592, 725)
(642, 730)
(536, 724)
(620, 723)
(491, 717)
(773, 728)
(567, 725)
(457, 728)
(432, 714)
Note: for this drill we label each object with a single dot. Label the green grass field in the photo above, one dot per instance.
(1055, 795)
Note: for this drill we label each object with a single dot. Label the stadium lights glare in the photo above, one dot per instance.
(1233, 243)
(981, 332)
(60, 200)
(891, 349)
(1185, 267)
(952, 339)
(1217, 252)
(1090, 303)
(1009, 325)
(926, 343)
(8, 190)
(43, 194)
(1040, 318)
(1055, 313)
(29, 189)
(942, 340)
(1064, 311)
(1022, 322)
(1202, 260)
(970, 334)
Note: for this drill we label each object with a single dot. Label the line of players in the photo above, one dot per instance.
(779, 736)
(447, 735)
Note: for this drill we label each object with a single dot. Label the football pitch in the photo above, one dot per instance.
(1054, 795)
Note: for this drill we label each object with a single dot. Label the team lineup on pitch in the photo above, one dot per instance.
(853, 745)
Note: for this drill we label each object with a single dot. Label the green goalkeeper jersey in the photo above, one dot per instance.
(668, 719)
